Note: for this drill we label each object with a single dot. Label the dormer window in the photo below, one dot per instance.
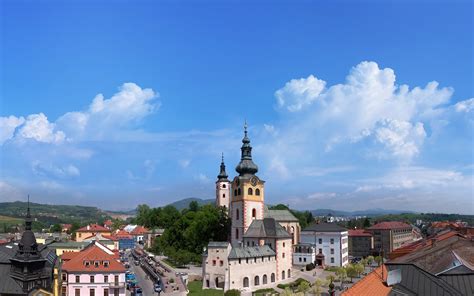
(96, 263)
(87, 263)
(106, 263)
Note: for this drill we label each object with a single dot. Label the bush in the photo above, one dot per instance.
(232, 292)
(309, 267)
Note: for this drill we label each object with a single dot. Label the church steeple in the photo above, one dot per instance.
(27, 247)
(222, 174)
(246, 166)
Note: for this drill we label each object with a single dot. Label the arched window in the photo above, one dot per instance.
(223, 185)
(237, 215)
(272, 278)
(246, 282)
(254, 213)
(235, 192)
(250, 191)
(256, 281)
(257, 191)
(223, 195)
(283, 275)
(289, 272)
(292, 235)
(238, 191)
(217, 282)
(264, 279)
(236, 233)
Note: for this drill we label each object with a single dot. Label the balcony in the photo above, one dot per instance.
(116, 285)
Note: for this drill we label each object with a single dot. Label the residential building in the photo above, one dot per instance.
(330, 242)
(260, 249)
(304, 254)
(125, 240)
(90, 231)
(26, 267)
(361, 243)
(69, 246)
(96, 270)
(389, 236)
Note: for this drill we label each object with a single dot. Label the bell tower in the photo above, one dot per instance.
(222, 187)
(247, 193)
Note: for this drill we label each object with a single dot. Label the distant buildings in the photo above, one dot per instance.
(330, 242)
(91, 231)
(389, 236)
(361, 243)
(95, 270)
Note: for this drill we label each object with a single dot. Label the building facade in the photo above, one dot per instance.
(91, 231)
(361, 243)
(330, 242)
(223, 187)
(389, 236)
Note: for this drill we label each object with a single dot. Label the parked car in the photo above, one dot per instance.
(157, 288)
(138, 291)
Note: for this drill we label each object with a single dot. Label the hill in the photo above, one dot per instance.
(184, 203)
(368, 213)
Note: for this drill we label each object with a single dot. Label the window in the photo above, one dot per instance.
(248, 244)
(235, 192)
(106, 292)
(320, 251)
(283, 245)
(237, 214)
(223, 195)
(283, 255)
(213, 262)
(257, 191)
(247, 260)
(264, 279)
(332, 259)
(236, 233)
(254, 213)
(240, 261)
(283, 275)
(92, 292)
(332, 241)
(77, 279)
(238, 191)
(106, 278)
(223, 185)
(221, 263)
(320, 241)
(250, 191)
(87, 263)
(300, 259)
(253, 244)
(272, 278)
(106, 263)
(246, 282)
(92, 279)
(116, 278)
(116, 292)
(64, 277)
(63, 290)
(332, 251)
(256, 280)
(77, 292)
(304, 259)
(96, 263)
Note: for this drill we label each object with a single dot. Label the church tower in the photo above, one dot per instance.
(222, 188)
(247, 193)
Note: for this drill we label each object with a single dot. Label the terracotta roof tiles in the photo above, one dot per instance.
(373, 284)
(389, 225)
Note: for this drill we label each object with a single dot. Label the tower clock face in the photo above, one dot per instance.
(253, 181)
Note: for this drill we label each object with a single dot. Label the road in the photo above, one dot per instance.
(143, 282)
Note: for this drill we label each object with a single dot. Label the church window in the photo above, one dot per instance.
(264, 280)
(283, 275)
(256, 280)
(283, 255)
(250, 191)
(223, 195)
(289, 272)
(223, 185)
(235, 192)
(246, 282)
(254, 213)
(272, 278)
(283, 245)
(237, 214)
(238, 191)
(236, 233)
(257, 191)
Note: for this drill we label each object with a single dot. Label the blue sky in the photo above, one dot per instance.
(350, 104)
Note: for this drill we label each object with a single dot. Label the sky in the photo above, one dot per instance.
(350, 104)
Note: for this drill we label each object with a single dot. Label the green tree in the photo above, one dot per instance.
(56, 228)
(194, 206)
(341, 274)
(304, 286)
(351, 271)
(370, 260)
(317, 286)
(232, 292)
(330, 278)
(359, 268)
(366, 223)
(379, 260)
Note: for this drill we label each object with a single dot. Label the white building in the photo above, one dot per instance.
(330, 242)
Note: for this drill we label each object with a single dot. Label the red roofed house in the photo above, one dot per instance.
(373, 284)
(108, 224)
(66, 227)
(139, 233)
(91, 230)
(391, 235)
(361, 243)
(95, 270)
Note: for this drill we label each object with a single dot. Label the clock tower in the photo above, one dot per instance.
(222, 187)
(248, 193)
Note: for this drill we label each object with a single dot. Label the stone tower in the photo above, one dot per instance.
(247, 193)
(222, 187)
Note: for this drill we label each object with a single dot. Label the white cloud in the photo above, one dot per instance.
(299, 93)
(465, 106)
(203, 179)
(184, 163)
(8, 192)
(48, 169)
(38, 127)
(8, 126)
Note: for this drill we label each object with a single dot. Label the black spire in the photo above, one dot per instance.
(222, 174)
(246, 166)
(27, 247)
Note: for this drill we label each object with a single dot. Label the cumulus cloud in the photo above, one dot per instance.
(38, 127)
(299, 93)
(465, 106)
(48, 169)
(8, 126)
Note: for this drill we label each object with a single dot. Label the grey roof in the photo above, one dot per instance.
(325, 227)
(70, 244)
(462, 282)
(416, 281)
(251, 252)
(267, 227)
(218, 244)
(280, 215)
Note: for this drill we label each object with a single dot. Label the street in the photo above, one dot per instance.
(143, 282)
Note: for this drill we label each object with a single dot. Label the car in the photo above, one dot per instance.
(157, 288)
(138, 291)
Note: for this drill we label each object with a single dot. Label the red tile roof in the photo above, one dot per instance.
(108, 223)
(359, 232)
(93, 228)
(91, 254)
(373, 284)
(389, 225)
(122, 234)
(139, 230)
(66, 256)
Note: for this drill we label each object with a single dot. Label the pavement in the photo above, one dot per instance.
(143, 281)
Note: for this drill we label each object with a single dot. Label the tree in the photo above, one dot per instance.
(56, 228)
(330, 278)
(359, 268)
(317, 286)
(366, 223)
(379, 260)
(341, 274)
(304, 286)
(287, 292)
(370, 260)
(194, 206)
(351, 271)
(232, 292)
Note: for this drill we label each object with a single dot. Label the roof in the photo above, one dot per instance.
(280, 215)
(359, 232)
(91, 254)
(373, 284)
(93, 228)
(69, 244)
(267, 227)
(462, 282)
(218, 245)
(389, 225)
(251, 252)
(139, 230)
(325, 227)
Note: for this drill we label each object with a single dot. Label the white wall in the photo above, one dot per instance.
(309, 237)
(99, 285)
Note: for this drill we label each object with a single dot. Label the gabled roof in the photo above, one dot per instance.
(218, 244)
(91, 254)
(251, 252)
(267, 227)
(325, 227)
(280, 215)
(389, 225)
(93, 228)
(373, 284)
(139, 230)
(359, 232)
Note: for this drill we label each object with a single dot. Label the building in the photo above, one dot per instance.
(90, 231)
(96, 270)
(330, 242)
(304, 254)
(389, 236)
(260, 249)
(361, 243)
(26, 267)
(69, 246)
(125, 240)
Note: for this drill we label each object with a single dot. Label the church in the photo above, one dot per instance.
(259, 252)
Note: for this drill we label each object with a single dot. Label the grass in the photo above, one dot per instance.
(195, 289)
(331, 268)
(267, 291)
(7, 222)
(291, 285)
